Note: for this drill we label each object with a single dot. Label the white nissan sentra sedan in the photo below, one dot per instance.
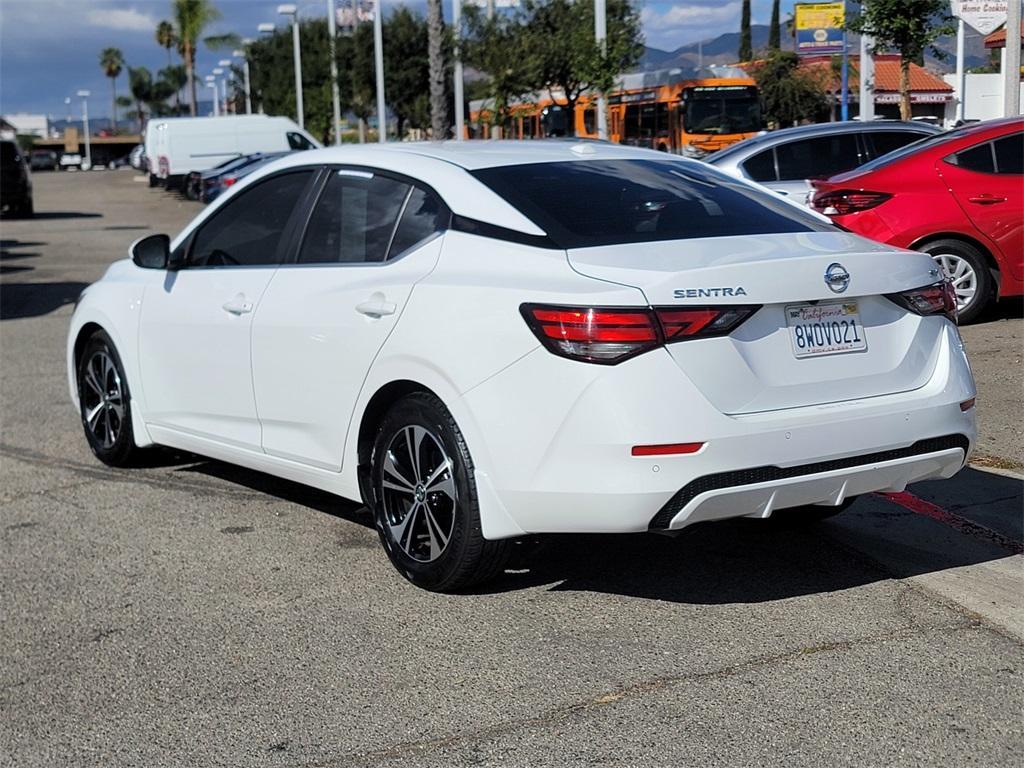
(483, 340)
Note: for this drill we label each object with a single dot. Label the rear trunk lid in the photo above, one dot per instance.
(756, 368)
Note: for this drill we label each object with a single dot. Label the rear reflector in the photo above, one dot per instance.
(966, 405)
(846, 201)
(935, 299)
(669, 449)
(609, 335)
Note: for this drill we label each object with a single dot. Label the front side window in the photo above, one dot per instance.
(298, 141)
(607, 202)
(247, 230)
(355, 220)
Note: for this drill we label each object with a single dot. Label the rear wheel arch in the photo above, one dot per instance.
(984, 250)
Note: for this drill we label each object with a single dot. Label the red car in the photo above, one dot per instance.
(958, 196)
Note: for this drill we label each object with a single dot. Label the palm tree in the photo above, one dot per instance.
(166, 38)
(112, 62)
(191, 18)
(436, 77)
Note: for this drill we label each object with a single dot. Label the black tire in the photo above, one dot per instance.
(984, 292)
(153, 180)
(27, 209)
(809, 514)
(466, 558)
(102, 385)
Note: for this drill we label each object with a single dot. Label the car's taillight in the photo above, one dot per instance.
(609, 335)
(844, 201)
(935, 299)
(227, 182)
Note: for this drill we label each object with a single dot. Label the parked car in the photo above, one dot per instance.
(215, 184)
(42, 160)
(175, 146)
(193, 184)
(70, 160)
(958, 196)
(15, 181)
(485, 340)
(783, 160)
(135, 157)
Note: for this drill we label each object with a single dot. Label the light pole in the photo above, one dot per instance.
(290, 9)
(245, 74)
(211, 82)
(460, 117)
(1011, 68)
(332, 34)
(378, 65)
(226, 64)
(600, 33)
(85, 127)
(222, 94)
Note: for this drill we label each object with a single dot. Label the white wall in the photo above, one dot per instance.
(35, 125)
(984, 97)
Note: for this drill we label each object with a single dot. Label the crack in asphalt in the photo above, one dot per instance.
(610, 698)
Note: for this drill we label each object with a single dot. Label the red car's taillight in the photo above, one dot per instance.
(228, 181)
(844, 201)
(609, 335)
(935, 299)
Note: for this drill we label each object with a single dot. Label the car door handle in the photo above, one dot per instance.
(238, 305)
(986, 199)
(376, 307)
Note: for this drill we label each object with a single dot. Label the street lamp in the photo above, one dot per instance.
(332, 34)
(217, 72)
(290, 9)
(226, 63)
(245, 73)
(85, 125)
(378, 65)
(211, 82)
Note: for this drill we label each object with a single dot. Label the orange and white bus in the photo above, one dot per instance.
(694, 116)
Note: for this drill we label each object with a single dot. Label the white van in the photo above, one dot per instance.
(177, 145)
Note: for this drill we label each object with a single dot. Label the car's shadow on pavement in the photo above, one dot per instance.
(734, 561)
(52, 215)
(21, 300)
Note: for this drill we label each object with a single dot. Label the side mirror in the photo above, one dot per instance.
(153, 252)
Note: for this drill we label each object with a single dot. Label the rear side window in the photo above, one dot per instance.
(605, 202)
(761, 167)
(423, 217)
(817, 158)
(8, 152)
(1010, 154)
(980, 159)
(884, 142)
(247, 231)
(355, 219)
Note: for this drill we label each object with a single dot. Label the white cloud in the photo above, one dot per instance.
(689, 16)
(125, 19)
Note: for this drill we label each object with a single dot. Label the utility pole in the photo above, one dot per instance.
(332, 34)
(85, 126)
(460, 117)
(867, 79)
(1011, 71)
(600, 35)
(378, 63)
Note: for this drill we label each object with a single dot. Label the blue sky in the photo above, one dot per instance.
(49, 49)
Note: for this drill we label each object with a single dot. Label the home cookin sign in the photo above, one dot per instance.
(986, 16)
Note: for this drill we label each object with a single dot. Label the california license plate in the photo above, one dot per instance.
(825, 329)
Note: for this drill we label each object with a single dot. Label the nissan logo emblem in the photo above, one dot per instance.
(837, 278)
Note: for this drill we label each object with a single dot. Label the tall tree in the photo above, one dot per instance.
(167, 39)
(148, 95)
(436, 63)
(112, 62)
(788, 93)
(775, 30)
(191, 19)
(176, 78)
(496, 47)
(559, 40)
(746, 51)
(908, 26)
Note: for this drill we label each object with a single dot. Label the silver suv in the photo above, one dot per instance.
(784, 160)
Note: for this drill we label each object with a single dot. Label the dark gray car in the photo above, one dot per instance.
(784, 160)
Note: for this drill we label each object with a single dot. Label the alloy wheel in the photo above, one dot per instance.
(418, 493)
(962, 275)
(102, 395)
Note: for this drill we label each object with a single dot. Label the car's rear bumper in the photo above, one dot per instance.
(554, 439)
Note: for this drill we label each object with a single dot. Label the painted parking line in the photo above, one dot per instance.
(919, 506)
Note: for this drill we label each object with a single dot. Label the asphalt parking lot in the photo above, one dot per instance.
(196, 614)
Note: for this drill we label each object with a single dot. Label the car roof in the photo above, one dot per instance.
(772, 138)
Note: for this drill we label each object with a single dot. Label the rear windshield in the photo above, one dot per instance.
(606, 202)
(932, 140)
